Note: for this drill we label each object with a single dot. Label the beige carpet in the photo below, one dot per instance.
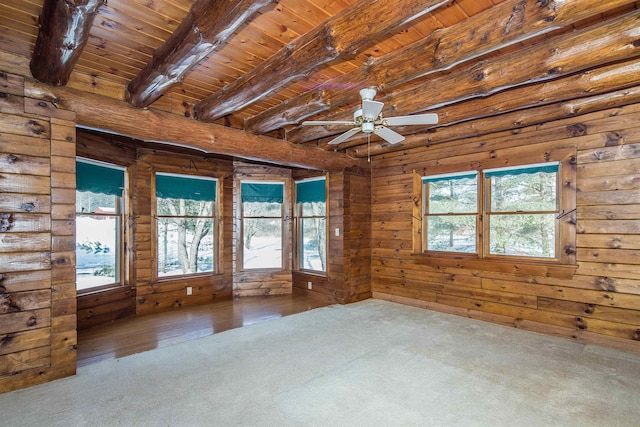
(372, 363)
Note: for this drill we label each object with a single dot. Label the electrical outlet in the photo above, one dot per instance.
(189, 290)
(309, 285)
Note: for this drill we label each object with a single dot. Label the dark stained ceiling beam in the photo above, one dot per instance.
(610, 41)
(342, 35)
(63, 32)
(118, 117)
(209, 24)
(499, 26)
(512, 109)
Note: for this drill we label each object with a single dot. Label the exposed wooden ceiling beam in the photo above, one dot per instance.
(502, 25)
(517, 120)
(611, 41)
(63, 33)
(511, 109)
(119, 117)
(209, 24)
(342, 35)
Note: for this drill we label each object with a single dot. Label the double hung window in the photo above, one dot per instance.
(262, 224)
(99, 224)
(500, 212)
(311, 224)
(186, 226)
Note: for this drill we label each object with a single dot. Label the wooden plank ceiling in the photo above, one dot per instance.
(267, 65)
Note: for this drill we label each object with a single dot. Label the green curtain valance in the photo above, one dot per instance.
(99, 179)
(185, 187)
(311, 191)
(449, 177)
(547, 168)
(263, 193)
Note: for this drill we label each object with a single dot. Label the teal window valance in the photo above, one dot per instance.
(529, 169)
(449, 177)
(262, 192)
(169, 186)
(100, 179)
(310, 191)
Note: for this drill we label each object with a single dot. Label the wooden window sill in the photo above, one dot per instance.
(541, 268)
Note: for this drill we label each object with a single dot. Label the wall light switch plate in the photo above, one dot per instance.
(337, 231)
(309, 285)
(189, 290)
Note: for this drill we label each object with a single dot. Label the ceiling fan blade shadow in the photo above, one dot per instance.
(371, 109)
(392, 137)
(418, 119)
(348, 134)
(327, 123)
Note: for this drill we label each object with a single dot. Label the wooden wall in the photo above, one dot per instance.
(599, 304)
(143, 292)
(37, 238)
(348, 277)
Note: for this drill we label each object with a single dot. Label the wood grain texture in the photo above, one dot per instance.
(64, 30)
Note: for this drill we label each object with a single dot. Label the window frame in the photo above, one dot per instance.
(215, 218)
(283, 234)
(563, 266)
(121, 229)
(298, 231)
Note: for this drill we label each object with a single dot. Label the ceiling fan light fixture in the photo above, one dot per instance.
(367, 127)
(368, 120)
(367, 93)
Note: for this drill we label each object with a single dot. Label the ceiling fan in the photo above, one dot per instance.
(368, 119)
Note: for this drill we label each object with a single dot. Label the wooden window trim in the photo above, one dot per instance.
(564, 267)
(216, 215)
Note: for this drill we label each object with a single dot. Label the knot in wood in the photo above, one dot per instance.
(12, 158)
(28, 207)
(6, 222)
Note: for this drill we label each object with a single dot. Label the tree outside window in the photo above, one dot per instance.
(186, 226)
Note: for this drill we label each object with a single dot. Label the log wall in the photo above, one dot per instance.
(599, 304)
(348, 277)
(37, 238)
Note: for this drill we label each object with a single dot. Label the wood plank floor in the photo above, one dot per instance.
(142, 333)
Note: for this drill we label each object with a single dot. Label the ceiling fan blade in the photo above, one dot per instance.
(348, 134)
(327, 123)
(418, 119)
(392, 137)
(371, 109)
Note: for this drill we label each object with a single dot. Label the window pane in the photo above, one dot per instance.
(185, 246)
(524, 192)
(96, 251)
(262, 209)
(313, 244)
(93, 202)
(262, 242)
(183, 207)
(314, 209)
(457, 195)
(452, 233)
(523, 235)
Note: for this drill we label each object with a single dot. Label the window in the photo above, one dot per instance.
(262, 224)
(451, 212)
(521, 210)
(311, 224)
(500, 212)
(186, 225)
(99, 224)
